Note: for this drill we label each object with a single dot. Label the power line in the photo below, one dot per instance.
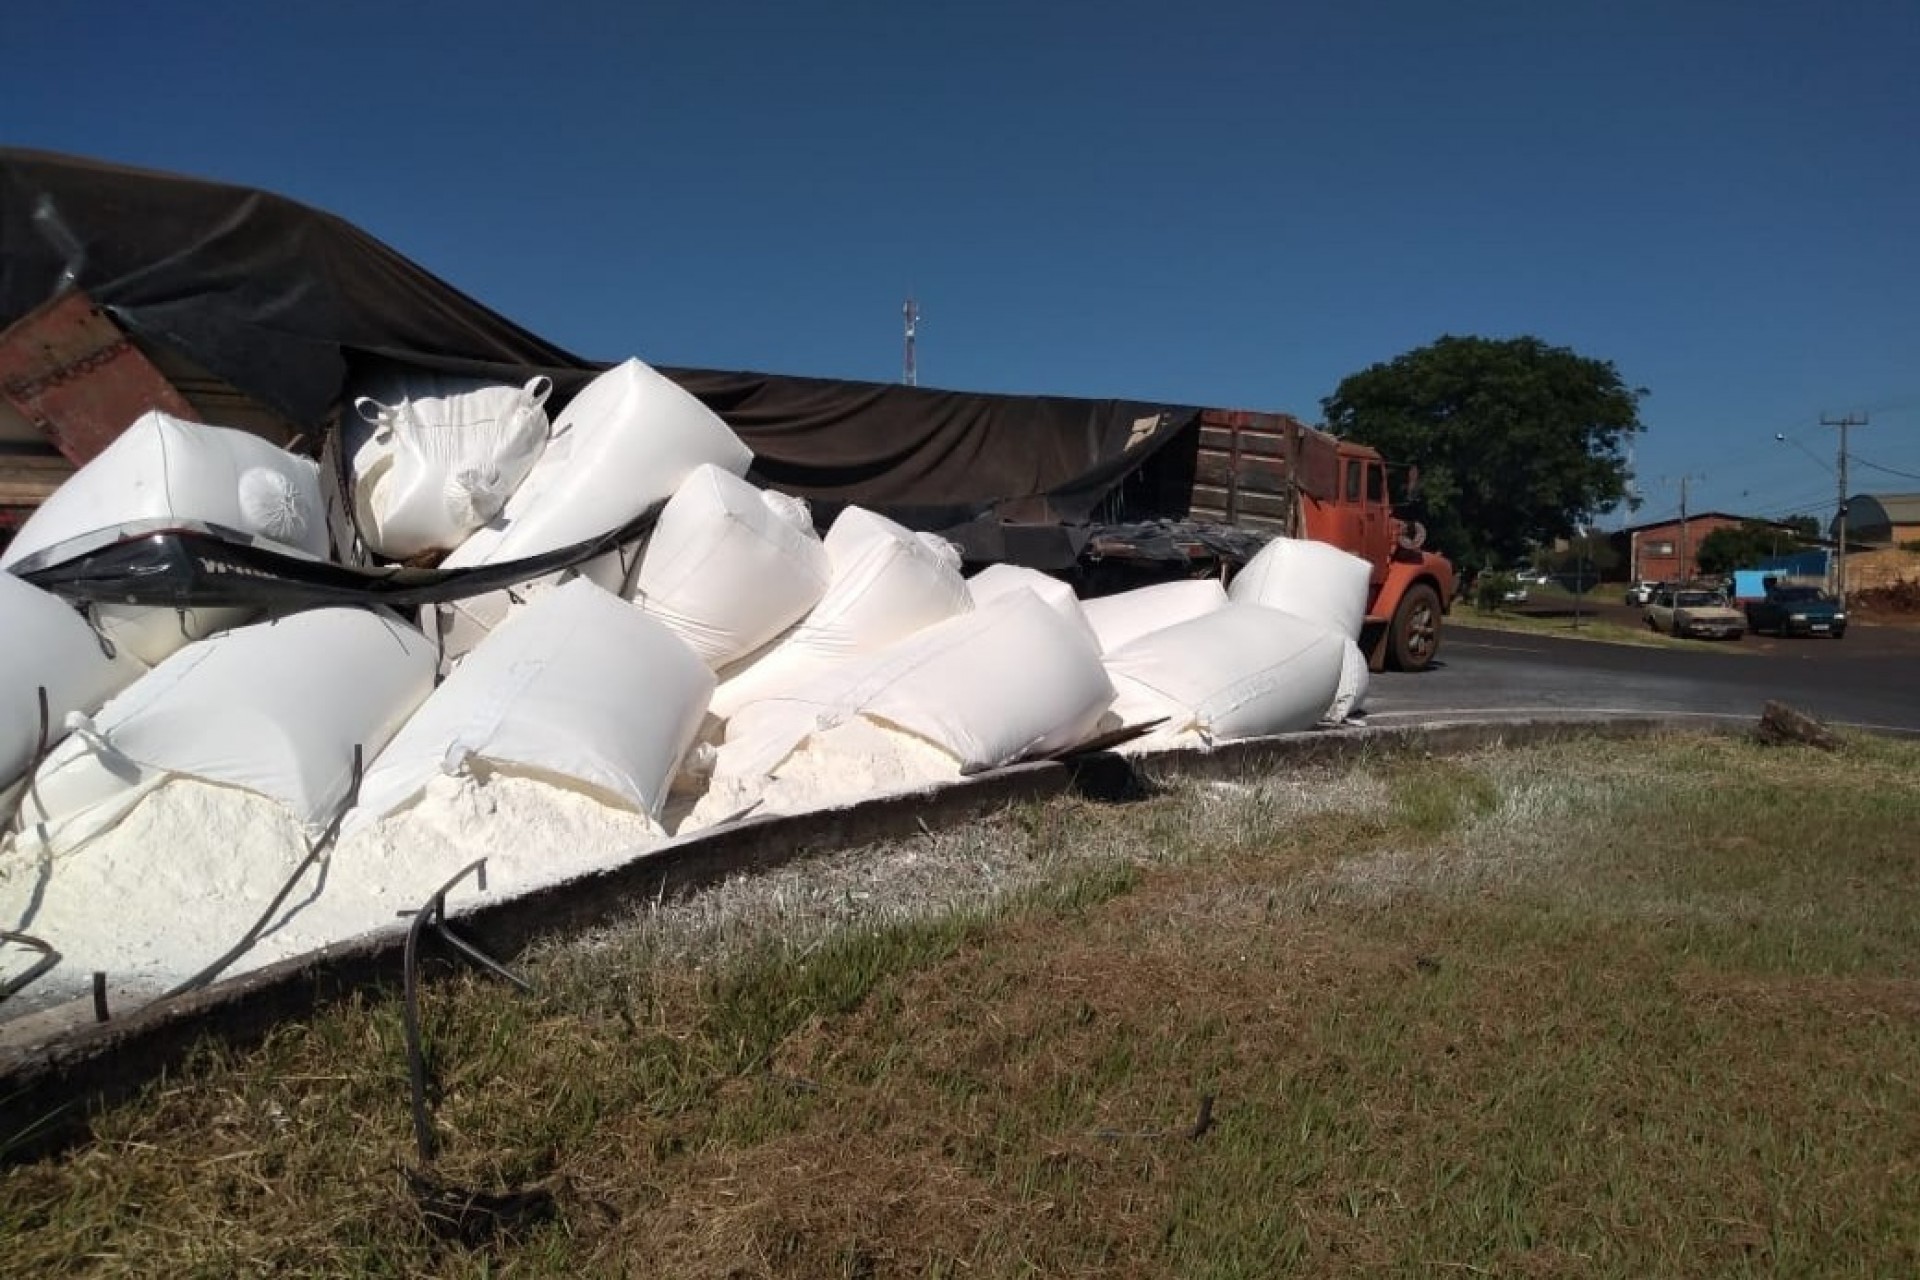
(1904, 475)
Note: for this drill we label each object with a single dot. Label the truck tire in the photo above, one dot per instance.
(1414, 634)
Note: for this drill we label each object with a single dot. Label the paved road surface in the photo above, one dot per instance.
(1875, 683)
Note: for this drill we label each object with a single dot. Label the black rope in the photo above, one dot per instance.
(315, 852)
(49, 960)
(88, 611)
(434, 913)
(39, 754)
(480, 957)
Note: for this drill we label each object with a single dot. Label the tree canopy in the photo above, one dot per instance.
(1744, 545)
(1516, 440)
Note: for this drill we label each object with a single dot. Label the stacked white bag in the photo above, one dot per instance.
(991, 686)
(729, 566)
(1312, 580)
(276, 708)
(629, 440)
(579, 689)
(887, 584)
(1117, 620)
(997, 580)
(44, 644)
(165, 470)
(1244, 671)
(437, 467)
(1319, 582)
(1350, 698)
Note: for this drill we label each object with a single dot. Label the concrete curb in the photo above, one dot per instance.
(49, 1089)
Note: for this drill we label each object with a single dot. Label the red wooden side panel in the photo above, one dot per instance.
(71, 372)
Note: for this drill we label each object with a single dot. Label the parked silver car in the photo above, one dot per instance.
(1692, 612)
(1641, 593)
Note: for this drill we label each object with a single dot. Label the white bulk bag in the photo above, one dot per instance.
(45, 644)
(352, 455)
(1350, 699)
(276, 708)
(458, 626)
(438, 467)
(887, 584)
(1239, 672)
(625, 442)
(727, 568)
(153, 633)
(578, 687)
(1012, 680)
(164, 468)
(1119, 619)
(1310, 579)
(997, 580)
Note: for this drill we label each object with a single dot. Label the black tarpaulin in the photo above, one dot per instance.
(1034, 459)
(272, 296)
(284, 302)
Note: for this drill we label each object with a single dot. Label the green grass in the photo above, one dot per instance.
(1595, 1009)
(1598, 630)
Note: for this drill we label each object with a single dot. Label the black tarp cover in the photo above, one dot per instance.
(270, 295)
(283, 301)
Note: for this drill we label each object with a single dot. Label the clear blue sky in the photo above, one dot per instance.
(1229, 203)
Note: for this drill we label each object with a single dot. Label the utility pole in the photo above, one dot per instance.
(1686, 546)
(909, 372)
(1840, 506)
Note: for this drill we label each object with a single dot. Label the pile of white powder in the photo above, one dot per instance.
(183, 877)
(855, 760)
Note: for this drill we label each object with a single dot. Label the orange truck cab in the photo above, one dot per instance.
(1272, 472)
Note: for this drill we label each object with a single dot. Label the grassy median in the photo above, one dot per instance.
(1594, 1009)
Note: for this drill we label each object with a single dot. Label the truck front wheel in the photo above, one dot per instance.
(1414, 634)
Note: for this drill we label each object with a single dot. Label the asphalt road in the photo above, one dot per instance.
(1871, 679)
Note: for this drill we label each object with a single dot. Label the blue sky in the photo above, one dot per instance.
(1231, 204)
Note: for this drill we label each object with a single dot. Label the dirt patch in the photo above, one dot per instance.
(1897, 603)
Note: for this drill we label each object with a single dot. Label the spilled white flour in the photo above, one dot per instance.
(857, 760)
(193, 866)
(156, 898)
(531, 833)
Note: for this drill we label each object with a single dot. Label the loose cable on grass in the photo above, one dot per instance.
(459, 1212)
(434, 913)
(1193, 1132)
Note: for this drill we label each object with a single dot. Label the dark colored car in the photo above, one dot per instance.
(1797, 611)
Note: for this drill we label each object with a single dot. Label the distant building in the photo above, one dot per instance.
(1881, 519)
(1669, 551)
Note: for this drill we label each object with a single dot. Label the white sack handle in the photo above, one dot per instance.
(379, 416)
(81, 726)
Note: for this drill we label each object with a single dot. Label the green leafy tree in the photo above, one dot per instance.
(1744, 545)
(1805, 528)
(1591, 554)
(1515, 439)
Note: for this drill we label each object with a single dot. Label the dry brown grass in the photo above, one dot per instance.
(1594, 1009)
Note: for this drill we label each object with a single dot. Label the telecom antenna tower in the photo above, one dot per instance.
(911, 313)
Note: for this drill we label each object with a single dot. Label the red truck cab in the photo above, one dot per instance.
(1270, 471)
